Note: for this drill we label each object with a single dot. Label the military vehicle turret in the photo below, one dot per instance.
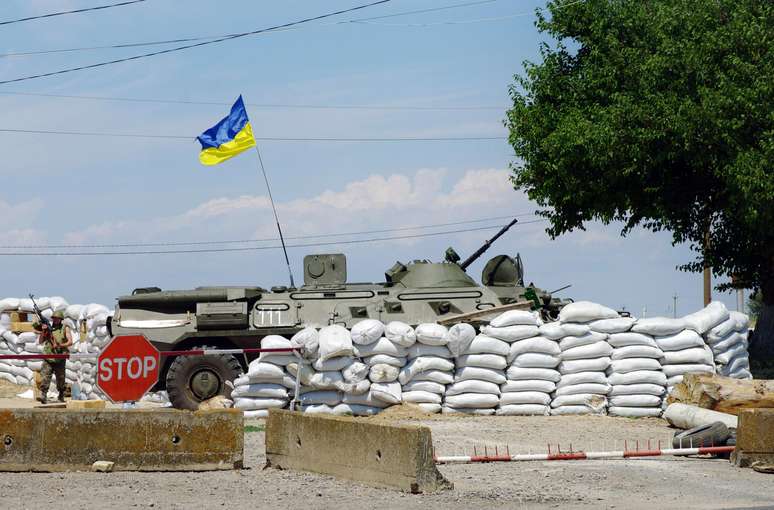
(239, 317)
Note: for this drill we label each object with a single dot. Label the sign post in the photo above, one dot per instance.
(127, 368)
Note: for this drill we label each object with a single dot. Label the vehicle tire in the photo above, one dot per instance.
(193, 379)
(713, 434)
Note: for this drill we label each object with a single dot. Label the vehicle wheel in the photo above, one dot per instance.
(193, 379)
(713, 434)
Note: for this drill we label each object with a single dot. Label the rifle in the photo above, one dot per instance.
(41, 318)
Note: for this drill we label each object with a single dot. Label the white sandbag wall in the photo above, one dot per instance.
(728, 341)
(430, 368)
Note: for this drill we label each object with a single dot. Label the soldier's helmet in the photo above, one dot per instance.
(58, 315)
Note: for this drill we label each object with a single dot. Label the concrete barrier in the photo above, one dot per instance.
(373, 453)
(135, 440)
(754, 437)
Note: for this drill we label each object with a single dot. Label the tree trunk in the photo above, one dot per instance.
(722, 394)
(762, 342)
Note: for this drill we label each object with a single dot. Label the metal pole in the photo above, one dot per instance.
(674, 306)
(707, 272)
(276, 218)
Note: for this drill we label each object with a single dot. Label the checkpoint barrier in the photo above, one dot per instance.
(384, 455)
(53, 440)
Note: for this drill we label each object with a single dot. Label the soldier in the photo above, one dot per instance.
(56, 340)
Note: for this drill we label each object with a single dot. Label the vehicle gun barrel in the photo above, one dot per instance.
(476, 254)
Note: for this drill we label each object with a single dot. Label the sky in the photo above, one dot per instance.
(442, 73)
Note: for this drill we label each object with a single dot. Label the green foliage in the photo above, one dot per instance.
(254, 428)
(658, 113)
(754, 306)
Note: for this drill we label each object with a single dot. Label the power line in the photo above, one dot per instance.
(259, 248)
(210, 37)
(188, 46)
(299, 106)
(259, 138)
(75, 11)
(242, 241)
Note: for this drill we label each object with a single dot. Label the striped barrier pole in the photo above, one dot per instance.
(620, 454)
(191, 352)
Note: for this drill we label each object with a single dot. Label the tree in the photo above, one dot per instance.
(659, 114)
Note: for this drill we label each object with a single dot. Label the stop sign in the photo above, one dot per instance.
(127, 368)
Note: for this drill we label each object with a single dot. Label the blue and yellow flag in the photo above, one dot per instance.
(229, 137)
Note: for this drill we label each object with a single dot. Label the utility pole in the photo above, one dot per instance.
(707, 271)
(674, 305)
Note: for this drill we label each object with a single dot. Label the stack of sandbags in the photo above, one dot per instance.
(635, 376)
(585, 357)
(481, 363)
(267, 383)
(429, 368)
(95, 317)
(728, 341)
(531, 374)
(684, 350)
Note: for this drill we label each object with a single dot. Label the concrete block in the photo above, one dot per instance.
(86, 404)
(103, 466)
(134, 439)
(378, 454)
(754, 437)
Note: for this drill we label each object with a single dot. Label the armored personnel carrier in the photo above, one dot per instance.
(239, 317)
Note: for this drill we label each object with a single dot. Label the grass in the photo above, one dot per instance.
(254, 428)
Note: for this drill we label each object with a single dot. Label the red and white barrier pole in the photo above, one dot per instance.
(620, 454)
(191, 352)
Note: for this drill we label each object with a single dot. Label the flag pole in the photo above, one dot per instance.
(276, 218)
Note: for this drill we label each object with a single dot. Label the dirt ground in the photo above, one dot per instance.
(646, 483)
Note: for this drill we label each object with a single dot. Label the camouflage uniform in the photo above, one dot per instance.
(53, 341)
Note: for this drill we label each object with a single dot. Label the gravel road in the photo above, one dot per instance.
(647, 483)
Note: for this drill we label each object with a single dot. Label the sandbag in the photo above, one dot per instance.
(522, 373)
(659, 326)
(436, 376)
(585, 311)
(535, 360)
(317, 409)
(622, 366)
(430, 408)
(638, 389)
(594, 377)
(732, 340)
(381, 346)
(591, 337)
(609, 326)
(366, 399)
(583, 365)
(330, 398)
(515, 317)
(528, 385)
(461, 410)
(483, 374)
(536, 344)
(579, 399)
(358, 388)
(264, 371)
(554, 331)
(424, 364)
(699, 355)
(483, 344)
(334, 341)
(260, 390)
(525, 397)
(510, 333)
(326, 380)
(636, 351)
(432, 334)
(634, 401)
(473, 386)
(309, 339)
(670, 370)
(523, 410)
(482, 360)
(367, 332)
(675, 379)
(638, 377)
(400, 333)
(635, 412)
(459, 337)
(596, 350)
(730, 354)
(685, 339)
(355, 372)
(628, 339)
(438, 351)
(382, 373)
(707, 318)
(355, 410)
(333, 364)
(421, 397)
(385, 359)
(432, 387)
(588, 388)
(472, 400)
(259, 403)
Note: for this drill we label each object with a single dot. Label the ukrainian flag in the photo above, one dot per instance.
(229, 137)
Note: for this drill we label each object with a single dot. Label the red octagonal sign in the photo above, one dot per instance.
(127, 368)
